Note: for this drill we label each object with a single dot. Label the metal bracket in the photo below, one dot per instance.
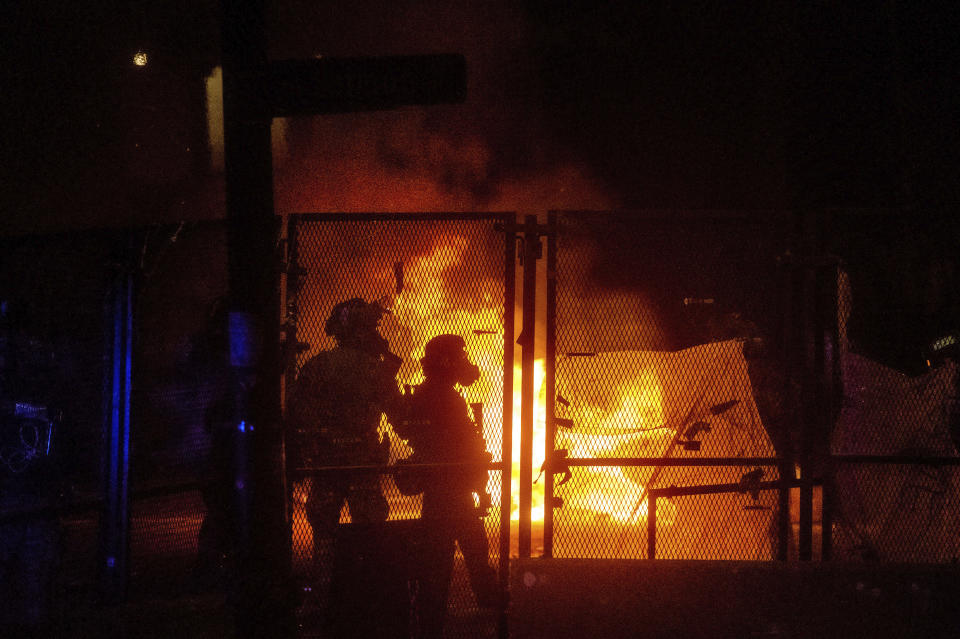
(557, 465)
(522, 231)
(750, 483)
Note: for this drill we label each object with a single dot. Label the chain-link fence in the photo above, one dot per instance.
(52, 342)
(427, 275)
(668, 408)
(821, 345)
(713, 386)
(110, 337)
(178, 537)
(894, 442)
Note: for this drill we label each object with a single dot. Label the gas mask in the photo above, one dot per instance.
(445, 357)
(467, 372)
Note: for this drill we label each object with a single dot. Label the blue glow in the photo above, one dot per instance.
(111, 562)
(243, 339)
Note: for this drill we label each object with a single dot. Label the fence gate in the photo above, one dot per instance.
(665, 425)
(437, 273)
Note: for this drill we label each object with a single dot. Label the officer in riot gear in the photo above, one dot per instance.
(335, 408)
(440, 430)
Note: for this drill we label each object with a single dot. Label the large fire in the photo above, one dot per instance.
(630, 403)
(425, 309)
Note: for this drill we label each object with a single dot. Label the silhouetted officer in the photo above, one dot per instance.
(439, 428)
(336, 405)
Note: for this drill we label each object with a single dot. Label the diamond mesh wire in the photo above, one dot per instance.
(56, 288)
(52, 289)
(663, 351)
(723, 526)
(179, 469)
(646, 363)
(897, 318)
(163, 543)
(436, 274)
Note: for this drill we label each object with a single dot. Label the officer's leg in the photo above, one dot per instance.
(472, 538)
(323, 509)
(367, 503)
(434, 578)
(439, 532)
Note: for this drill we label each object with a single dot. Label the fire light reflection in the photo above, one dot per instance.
(431, 302)
(425, 307)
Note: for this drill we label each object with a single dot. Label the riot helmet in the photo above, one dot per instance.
(445, 358)
(354, 320)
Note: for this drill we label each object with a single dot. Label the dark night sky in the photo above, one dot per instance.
(574, 104)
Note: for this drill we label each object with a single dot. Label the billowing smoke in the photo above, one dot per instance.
(496, 151)
(406, 161)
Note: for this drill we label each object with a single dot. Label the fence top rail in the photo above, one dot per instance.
(673, 461)
(676, 215)
(911, 460)
(382, 216)
(716, 489)
(392, 469)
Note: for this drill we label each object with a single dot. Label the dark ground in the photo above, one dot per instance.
(606, 598)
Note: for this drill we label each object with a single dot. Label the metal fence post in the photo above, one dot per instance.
(115, 525)
(506, 444)
(810, 382)
(788, 330)
(651, 525)
(531, 245)
(550, 384)
(262, 608)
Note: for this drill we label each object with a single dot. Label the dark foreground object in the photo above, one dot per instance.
(372, 565)
(561, 598)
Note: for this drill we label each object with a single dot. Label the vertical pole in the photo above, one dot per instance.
(812, 363)
(261, 601)
(826, 519)
(835, 385)
(550, 382)
(783, 523)
(787, 308)
(115, 526)
(834, 399)
(291, 301)
(651, 525)
(506, 450)
(550, 372)
(528, 340)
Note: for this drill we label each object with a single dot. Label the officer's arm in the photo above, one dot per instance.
(397, 409)
(301, 409)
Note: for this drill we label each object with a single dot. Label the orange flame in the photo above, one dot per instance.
(425, 308)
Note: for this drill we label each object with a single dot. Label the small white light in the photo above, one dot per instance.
(140, 58)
